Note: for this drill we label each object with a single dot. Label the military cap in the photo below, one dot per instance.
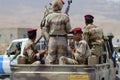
(77, 30)
(89, 16)
(57, 5)
(31, 30)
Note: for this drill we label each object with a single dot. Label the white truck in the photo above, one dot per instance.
(105, 71)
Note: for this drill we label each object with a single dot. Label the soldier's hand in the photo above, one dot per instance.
(42, 52)
(81, 55)
(72, 51)
(75, 62)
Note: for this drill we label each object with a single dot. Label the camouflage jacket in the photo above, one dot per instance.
(93, 35)
(81, 48)
(30, 52)
(57, 23)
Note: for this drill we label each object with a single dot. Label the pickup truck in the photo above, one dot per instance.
(104, 71)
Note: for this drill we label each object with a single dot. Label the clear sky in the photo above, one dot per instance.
(29, 13)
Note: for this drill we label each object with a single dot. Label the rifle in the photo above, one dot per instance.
(38, 40)
(68, 7)
(47, 12)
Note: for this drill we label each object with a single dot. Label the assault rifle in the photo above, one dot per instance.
(47, 12)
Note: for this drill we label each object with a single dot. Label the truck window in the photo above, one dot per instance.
(41, 44)
(14, 47)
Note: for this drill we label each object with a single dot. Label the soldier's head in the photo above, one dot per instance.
(77, 33)
(88, 19)
(57, 5)
(32, 34)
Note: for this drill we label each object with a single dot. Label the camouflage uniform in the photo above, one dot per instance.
(57, 25)
(30, 52)
(81, 48)
(94, 36)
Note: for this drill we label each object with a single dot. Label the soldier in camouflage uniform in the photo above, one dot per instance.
(57, 25)
(94, 36)
(31, 54)
(79, 49)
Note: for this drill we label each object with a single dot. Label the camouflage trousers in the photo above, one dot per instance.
(57, 47)
(98, 51)
(66, 60)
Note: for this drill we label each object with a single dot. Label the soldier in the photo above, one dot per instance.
(80, 49)
(31, 54)
(94, 36)
(57, 25)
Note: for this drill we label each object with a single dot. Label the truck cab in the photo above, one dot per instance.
(5, 60)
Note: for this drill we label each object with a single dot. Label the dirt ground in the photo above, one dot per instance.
(3, 47)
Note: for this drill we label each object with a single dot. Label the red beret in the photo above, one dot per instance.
(31, 30)
(63, 2)
(88, 16)
(76, 30)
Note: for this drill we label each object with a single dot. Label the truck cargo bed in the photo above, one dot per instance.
(60, 72)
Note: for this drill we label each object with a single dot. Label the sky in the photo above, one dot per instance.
(29, 13)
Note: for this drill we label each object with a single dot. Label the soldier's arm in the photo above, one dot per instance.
(86, 36)
(68, 25)
(81, 50)
(42, 52)
(47, 24)
(16, 54)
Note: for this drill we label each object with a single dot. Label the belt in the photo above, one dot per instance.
(58, 36)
